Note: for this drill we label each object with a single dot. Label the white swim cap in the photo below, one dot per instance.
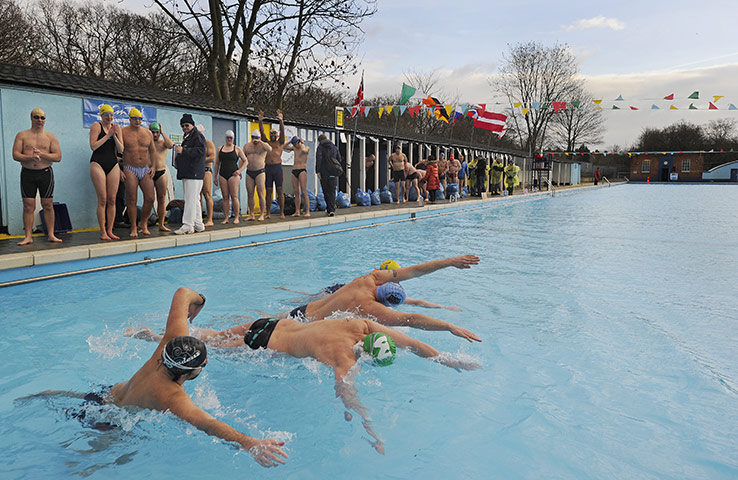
(256, 133)
(230, 134)
(201, 128)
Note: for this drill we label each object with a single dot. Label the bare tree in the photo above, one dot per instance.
(581, 122)
(16, 34)
(721, 134)
(532, 73)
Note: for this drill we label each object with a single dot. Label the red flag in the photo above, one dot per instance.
(712, 106)
(559, 106)
(669, 97)
(359, 100)
(494, 122)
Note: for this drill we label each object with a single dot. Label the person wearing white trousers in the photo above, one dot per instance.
(190, 165)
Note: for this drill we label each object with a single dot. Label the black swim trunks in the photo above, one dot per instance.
(412, 176)
(158, 174)
(260, 332)
(274, 175)
(255, 173)
(92, 399)
(332, 289)
(37, 180)
(297, 171)
(398, 175)
(299, 312)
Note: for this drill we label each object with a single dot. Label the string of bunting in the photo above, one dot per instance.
(630, 154)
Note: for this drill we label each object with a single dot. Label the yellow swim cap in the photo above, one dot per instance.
(389, 265)
(38, 111)
(105, 108)
(135, 112)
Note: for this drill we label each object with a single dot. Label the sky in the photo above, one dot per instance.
(642, 50)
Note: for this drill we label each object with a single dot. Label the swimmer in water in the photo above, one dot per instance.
(332, 342)
(159, 383)
(373, 294)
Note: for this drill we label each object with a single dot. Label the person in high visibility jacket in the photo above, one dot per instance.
(511, 177)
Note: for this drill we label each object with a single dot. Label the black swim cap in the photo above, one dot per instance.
(183, 354)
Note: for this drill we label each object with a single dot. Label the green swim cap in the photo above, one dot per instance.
(155, 127)
(381, 347)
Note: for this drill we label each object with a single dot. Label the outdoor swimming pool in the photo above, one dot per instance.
(608, 319)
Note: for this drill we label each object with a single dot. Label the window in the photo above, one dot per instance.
(645, 166)
(686, 164)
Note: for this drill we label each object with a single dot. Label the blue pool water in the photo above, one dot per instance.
(609, 327)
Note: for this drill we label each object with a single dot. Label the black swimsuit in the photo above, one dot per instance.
(228, 163)
(255, 173)
(299, 312)
(105, 155)
(260, 332)
(297, 171)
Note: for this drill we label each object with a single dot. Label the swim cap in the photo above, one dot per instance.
(381, 347)
(295, 140)
(105, 108)
(38, 111)
(391, 294)
(155, 127)
(201, 128)
(183, 354)
(134, 112)
(389, 265)
(255, 133)
(230, 134)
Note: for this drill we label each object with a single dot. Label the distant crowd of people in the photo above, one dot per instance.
(134, 157)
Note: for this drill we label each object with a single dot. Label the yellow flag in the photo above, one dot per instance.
(716, 98)
(381, 111)
(389, 109)
(517, 104)
(525, 111)
(448, 108)
(597, 101)
(673, 108)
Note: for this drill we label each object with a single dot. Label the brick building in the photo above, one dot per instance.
(666, 167)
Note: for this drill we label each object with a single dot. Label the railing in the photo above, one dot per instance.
(550, 187)
(626, 179)
(608, 181)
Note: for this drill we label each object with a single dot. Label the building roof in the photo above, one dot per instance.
(35, 78)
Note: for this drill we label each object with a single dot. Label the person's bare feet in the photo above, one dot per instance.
(134, 233)
(54, 239)
(26, 241)
(261, 218)
(250, 219)
(145, 230)
(162, 228)
(307, 215)
(282, 216)
(225, 222)
(236, 220)
(112, 235)
(105, 237)
(296, 214)
(209, 223)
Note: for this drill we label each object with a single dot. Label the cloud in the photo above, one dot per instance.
(596, 22)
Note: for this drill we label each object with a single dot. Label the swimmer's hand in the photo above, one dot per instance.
(463, 333)
(452, 308)
(266, 452)
(142, 334)
(463, 261)
(196, 307)
(456, 364)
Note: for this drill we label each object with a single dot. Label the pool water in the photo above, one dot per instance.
(609, 327)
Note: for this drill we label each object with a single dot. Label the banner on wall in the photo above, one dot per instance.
(91, 107)
(288, 157)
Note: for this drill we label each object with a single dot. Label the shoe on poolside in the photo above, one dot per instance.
(330, 214)
(183, 231)
(198, 230)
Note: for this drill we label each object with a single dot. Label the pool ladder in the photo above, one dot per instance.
(608, 181)
(551, 187)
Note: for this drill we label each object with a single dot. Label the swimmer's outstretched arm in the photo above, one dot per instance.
(391, 318)
(282, 287)
(424, 304)
(406, 273)
(346, 391)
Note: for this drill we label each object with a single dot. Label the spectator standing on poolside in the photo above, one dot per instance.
(256, 152)
(36, 149)
(472, 176)
(138, 157)
(162, 145)
(397, 162)
(511, 177)
(299, 174)
(274, 163)
(481, 174)
(442, 170)
(433, 184)
(597, 176)
(463, 173)
(497, 170)
(105, 141)
(371, 160)
(454, 167)
(190, 164)
(207, 180)
(229, 172)
(326, 156)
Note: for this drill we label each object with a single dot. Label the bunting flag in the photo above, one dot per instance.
(525, 111)
(732, 107)
(619, 99)
(715, 98)
(362, 110)
(441, 114)
(402, 109)
(449, 109)
(672, 107)
(407, 93)
(381, 111)
(388, 109)
(633, 108)
(359, 100)
(577, 104)
(695, 95)
(431, 101)
(464, 108)
(669, 97)
(712, 106)
(655, 107)
(558, 106)
(366, 112)
(692, 107)
(614, 107)
(494, 122)
(536, 105)
(458, 115)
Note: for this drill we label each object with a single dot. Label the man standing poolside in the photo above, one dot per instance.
(372, 295)
(274, 161)
(299, 174)
(190, 162)
(327, 157)
(256, 152)
(162, 145)
(398, 163)
(138, 156)
(207, 181)
(36, 149)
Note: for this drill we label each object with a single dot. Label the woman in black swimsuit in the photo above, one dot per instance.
(229, 175)
(105, 142)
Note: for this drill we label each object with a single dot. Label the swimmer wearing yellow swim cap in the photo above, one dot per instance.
(135, 114)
